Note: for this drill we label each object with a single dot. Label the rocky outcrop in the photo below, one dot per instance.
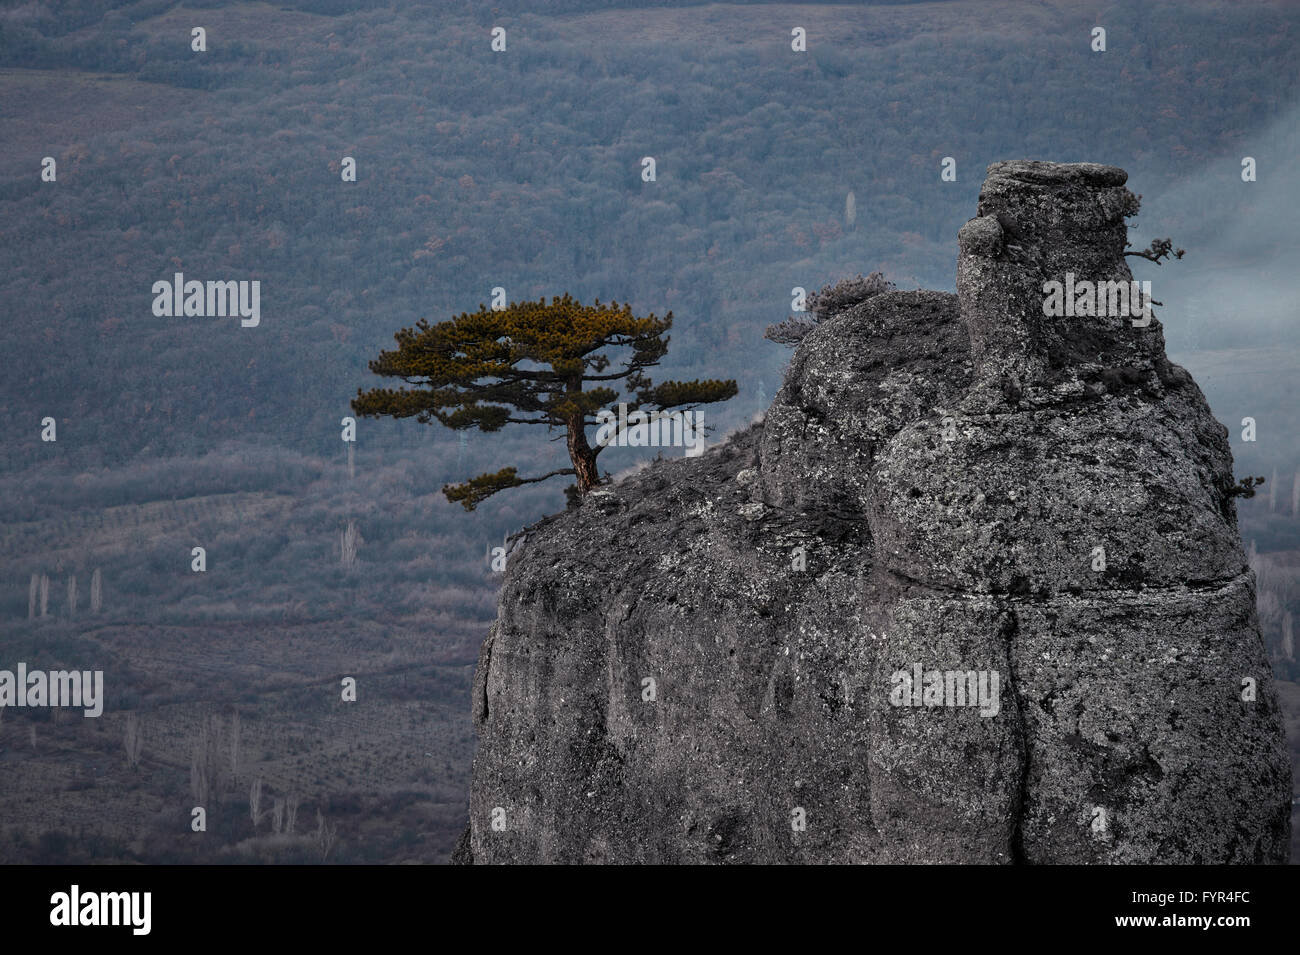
(755, 656)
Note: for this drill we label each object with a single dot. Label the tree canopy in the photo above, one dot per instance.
(538, 363)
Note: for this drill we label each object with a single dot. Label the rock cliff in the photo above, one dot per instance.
(971, 592)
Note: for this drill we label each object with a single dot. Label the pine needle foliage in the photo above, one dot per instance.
(553, 364)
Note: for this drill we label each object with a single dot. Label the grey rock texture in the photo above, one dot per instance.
(930, 488)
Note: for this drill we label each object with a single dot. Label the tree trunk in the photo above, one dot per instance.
(582, 456)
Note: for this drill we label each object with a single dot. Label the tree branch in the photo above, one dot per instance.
(1157, 250)
(544, 477)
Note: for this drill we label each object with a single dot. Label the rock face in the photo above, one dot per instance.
(731, 658)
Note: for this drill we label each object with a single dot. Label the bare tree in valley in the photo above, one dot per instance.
(35, 588)
(200, 776)
(235, 732)
(351, 538)
(326, 836)
(205, 763)
(133, 739)
(96, 591)
(255, 802)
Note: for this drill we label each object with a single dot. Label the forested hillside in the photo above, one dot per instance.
(522, 170)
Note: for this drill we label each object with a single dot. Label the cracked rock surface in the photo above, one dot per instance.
(697, 664)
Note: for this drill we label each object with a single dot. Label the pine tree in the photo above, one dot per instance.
(530, 363)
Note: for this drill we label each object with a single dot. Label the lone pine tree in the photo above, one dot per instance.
(531, 363)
